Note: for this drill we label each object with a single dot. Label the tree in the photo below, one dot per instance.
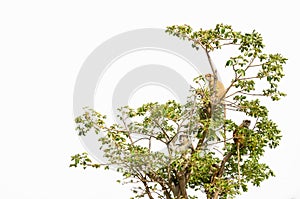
(193, 132)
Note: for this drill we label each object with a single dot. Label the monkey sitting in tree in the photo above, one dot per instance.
(239, 140)
(184, 143)
(216, 88)
(238, 137)
(217, 94)
(180, 144)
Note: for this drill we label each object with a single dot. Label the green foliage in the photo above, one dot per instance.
(82, 160)
(202, 165)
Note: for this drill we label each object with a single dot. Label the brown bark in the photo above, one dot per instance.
(182, 187)
(148, 190)
(220, 173)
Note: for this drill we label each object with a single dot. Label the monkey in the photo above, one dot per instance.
(184, 143)
(180, 143)
(216, 87)
(171, 144)
(239, 140)
(217, 92)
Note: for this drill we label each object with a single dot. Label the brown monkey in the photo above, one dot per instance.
(239, 140)
(217, 92)
(216, 87)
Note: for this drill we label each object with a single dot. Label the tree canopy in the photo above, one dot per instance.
(206, 150)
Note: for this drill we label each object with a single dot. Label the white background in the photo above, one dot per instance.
(42, 47)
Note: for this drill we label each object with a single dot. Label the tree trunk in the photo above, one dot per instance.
(180, 188)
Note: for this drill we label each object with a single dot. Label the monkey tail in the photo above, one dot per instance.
(224, 127)
(239, 167)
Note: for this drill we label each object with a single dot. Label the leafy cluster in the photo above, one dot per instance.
(209, 161)
(250, 47)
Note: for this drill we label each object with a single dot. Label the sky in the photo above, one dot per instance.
(43, 46)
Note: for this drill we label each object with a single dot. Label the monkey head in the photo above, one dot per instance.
(246, 123)
(209, 77)
(183, 138)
